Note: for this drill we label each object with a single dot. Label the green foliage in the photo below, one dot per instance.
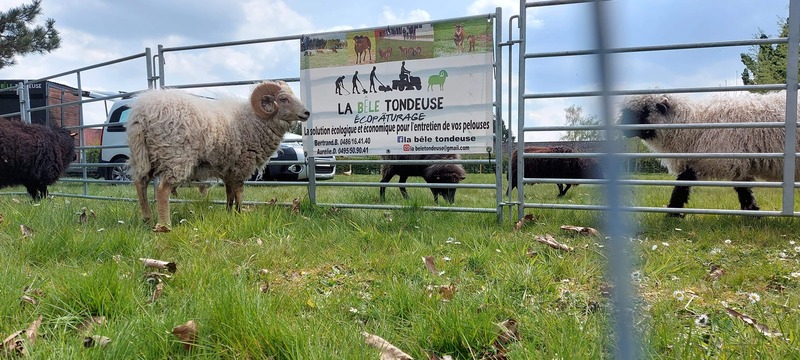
(574, 117)
(766, 64)
(17, 37)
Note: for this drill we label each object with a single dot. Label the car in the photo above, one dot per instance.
(115, 151)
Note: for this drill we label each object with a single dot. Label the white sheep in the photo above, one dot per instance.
(180, 137)
(739, 108)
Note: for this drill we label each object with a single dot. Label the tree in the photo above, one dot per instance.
(766, 63)
(18, 36)
(574, 117)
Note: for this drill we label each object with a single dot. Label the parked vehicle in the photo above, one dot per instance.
(116, 151)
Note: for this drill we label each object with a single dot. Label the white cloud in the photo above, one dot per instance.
(388, 16)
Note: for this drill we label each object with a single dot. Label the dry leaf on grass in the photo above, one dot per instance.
(763, 329)
(548, 240)
(14, 343)
(89, 323)
(583, 230)
(447, 292)
(433, 356)
(28, 299)
(160, 264)
(157, 292)
(388, 351)
(82, 217)
(429, 264)
(186, 333)
(521, 222)
(25, 230)
(508, 334)
(716, 272)
(272, 201)
(296, 206)
(96, 340)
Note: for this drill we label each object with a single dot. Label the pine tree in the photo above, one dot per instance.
(18, 36)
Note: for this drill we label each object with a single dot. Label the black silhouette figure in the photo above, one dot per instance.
(355, 87)
(372, 78)
(340, 85)
(404, 72)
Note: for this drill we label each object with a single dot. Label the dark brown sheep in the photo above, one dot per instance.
(555, 168)
(436, 174)
(33, 155)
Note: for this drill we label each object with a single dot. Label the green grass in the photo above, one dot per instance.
(333, 273)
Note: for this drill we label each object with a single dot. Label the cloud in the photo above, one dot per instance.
(388, 16)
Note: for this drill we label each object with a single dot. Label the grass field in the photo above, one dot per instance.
(273, 283)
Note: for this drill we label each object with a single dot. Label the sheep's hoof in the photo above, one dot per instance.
(161, 228)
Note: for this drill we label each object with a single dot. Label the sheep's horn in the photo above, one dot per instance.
(263, 99)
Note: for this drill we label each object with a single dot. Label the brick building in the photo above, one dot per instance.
(42, 94)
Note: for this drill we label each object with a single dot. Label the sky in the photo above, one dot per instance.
(98, 31)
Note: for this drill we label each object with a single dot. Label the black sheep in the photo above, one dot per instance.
(435, 173)
(555, 168)
(33, 155)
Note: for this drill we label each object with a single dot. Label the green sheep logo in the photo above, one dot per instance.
(437, 80)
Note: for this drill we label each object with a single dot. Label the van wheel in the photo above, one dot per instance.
(120, 172)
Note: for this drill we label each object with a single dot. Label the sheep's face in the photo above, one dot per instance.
(445, 174)
(646, 109)
(276, 100)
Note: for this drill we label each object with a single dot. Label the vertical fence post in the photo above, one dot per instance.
(498, 110)
(617, 227)
(523, 40)
(81, 139)
(161, 80)
(790, 141)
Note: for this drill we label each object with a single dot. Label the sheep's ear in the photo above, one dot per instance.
(663, 106)
(73, 134)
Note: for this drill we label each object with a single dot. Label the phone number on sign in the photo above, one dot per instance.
(350, 150)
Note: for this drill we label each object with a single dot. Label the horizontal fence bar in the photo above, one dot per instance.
(400, 207)
(634, 49)
(754, 213)
(743, 125)
(764, 184)
(528, 155)
(767, 87)
(230, 43)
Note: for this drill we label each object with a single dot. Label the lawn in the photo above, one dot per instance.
(304, 282)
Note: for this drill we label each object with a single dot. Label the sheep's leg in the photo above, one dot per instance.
(680, 194)
(163, 190)
(746, 199)
(229, 196)
(141, 193)
(403, 191)
(238, 194)
(33, 191)
(386, 178)
(562, 192)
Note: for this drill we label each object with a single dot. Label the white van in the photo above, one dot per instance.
(291, 149)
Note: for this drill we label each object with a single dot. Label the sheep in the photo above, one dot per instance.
(179, 137)
(436, 173)
(673, 109)
(555, 168)
(437, 80)
(33, 155)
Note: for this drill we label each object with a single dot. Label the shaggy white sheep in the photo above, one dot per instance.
(180, 137)
(672, 109)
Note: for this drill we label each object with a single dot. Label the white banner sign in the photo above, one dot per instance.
(416, 89)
